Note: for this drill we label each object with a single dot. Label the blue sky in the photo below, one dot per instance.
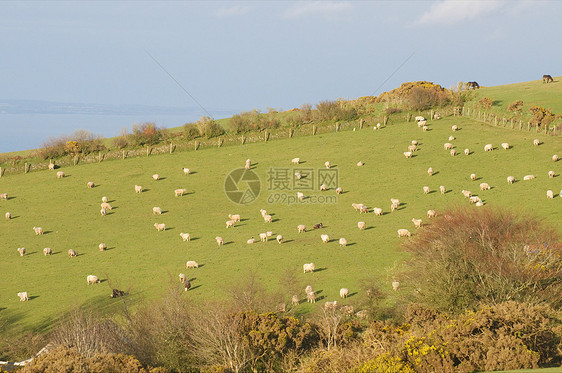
(246, 55)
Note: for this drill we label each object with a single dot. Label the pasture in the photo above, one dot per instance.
(145, 262)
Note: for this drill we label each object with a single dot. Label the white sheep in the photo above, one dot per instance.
(448, 146)
(451, 138)
(453, 152)
(510, 179)
(300, 196)
(474, 199)
(327, 164)
(104, 199)
(235, 218)
(395, 201)
(105, 205)
(298, 175)
(436, 116)
(160, 227)
(308, 289)
(230, 223)
(473, 177)
(363, 209)
(325, 238)
(454, 128)
(8, 216)
(360, 163)
(156, 177)
(536, 142)
(361, 225)
(60, 175)
(323, 187)
(395, 285)
(414, 142)
(21, 250)
(479, 203)
(296, 161)
(51, 166)
(551, 174)
(311, 297)
(220, 241)
(484, 186)
(103, 212)
(339, 190)
(301, 228)
(183, 278)
(412, 148)
(356, 206)
(263, 237)
(267, 218)
(295, 300)
(403, 232)
(92, 279)
(431, 213)
(393, 207)
(442, 189)
(72, 253)
(156, 211)
(555, 158)
(185, 236)
(466, 151)
(466, 193)
(90, 184)
(191, 264)
(344, 292)
(422, 123)
(279, 239)
(331, 305)
(408, 154)
(308, 267)
(47, 251)
(505, 145)
(377, 211)
(425, 190)
(180, 192)
(419, 118)
(430, 171)
(138, 189)
(186, 171)
(528, 177)
(417, 222)
(38, 230)
(23, 296)
(263, 212)
(251, 241)
(102, 246)
(4, 196)
(549, 194)
(425, 128)
(488, 147)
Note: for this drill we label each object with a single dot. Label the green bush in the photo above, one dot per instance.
(79, 142)
(190, 131)
(515, 106)
(486, 103)
(145, 134)
(209, 128)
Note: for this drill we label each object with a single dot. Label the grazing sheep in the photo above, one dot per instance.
(300, 196)
(479, 203)
(105, 205)
(360, 163)
(263, 212)
(377, 211)
(160, 227)
(466, 151)
(103, 212)
(395, 201)
(308, 267)
(8, 216)
(182, 277)
(474, 199)
(235, 218)
(555, 158)
(361, 225)
(451, 138)
(325, 238)
(51, 166)
(230, 223)
(60, 175)
(220, 241)
(419, 118)
(180, 192)
(466, 193)
(191, 264)
(551, 174)
(247, 166)
(186, 171)
(47, 251)
(267, 218)
(408, 154)
(453, 152)
(363, 209)
(417, 222)
(104, 199)
(156, 177)
(528, 177)
(301, 228)
(323, 187)
(425, 128)
(38, 230)
(488, 147)
(430, 171)
(393, 207)
(72, 253)
(311, 297)
(21, 250)
(415, 142)
(331, 305)
(251, 240)
(448, 146)
(23, 296)
(138, 189)
(263, 237)
(454, 128)
(279, 239)
(549, 194)
(425, 190)
(505, 146)
(298, 175)
(344, 292)
(431, 213)
(422, 123)
(186, 285)
(102, 246)
(442, 189)
(356, 206)
(403, 232)
(308, 289)
(327, 164)
(4, 196)
(412, 148)
(510, 179)
(472, 177)
(90, 184)
(185, 236)
(156, 211)
(536, 142)
(295, 300)
(339, 190)
(91, 279)
(395, 285)
(484, 186)
(296, 161)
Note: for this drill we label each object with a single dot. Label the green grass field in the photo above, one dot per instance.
(146, 262)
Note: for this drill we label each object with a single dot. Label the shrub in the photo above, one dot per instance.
(145, 134)
(335, 110)
(486, 103)
(240, 123)
(190, 131)
(460, 94)
(122, 141)
(541, 116)
(392, 110)
(515, 106)
(467, 256)
(209, 128)
(420, 98)
(79, 142)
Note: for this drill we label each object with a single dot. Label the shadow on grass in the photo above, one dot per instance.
(320, 269)
(369, 228)
(352, 294)
(194, 287)
(34, 297)
(287, 241)
(351, 244)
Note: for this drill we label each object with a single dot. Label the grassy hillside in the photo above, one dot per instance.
(146, 262)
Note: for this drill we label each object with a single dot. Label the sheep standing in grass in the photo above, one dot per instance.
(230, 223)
(4, 196)
(408, 154)
(395, 285)
(8, 216)
(311, 297)
(263, 237)
(104, 199)
(251, 241)
(160, 227)
(474, 199)
(279, 239)
(431, 213)
(220, 241)
(138, 189)
(555, 158)
(105, 205)
(185, 236)
(360, 163)
(466, 193)
(488, 147)
(325, 238)
(235, 218)
(183, 277)
(393, 206)
(295, 300)
(510, 179)
(23, 296)
(417, 222)
(484, 186)
(536, 142)
(505, 146)
(549, 194)
(473, 177)
(422, 123)
(51, 166)
(21, 250)
(102, 246)
(186, 171)
(60, 175)
(377, 211)
(430, 171)
(453, 152)
(466, 151)
(191, 264)
(323, 187)
(412, 148)
(47, 251)
(344, 292)
(248, 164)
(551, 174)
(308, 267)
(451, 138)
(90, 184)
(91, 279)
(72, 253)
(180, 192)
(343, 242)
(442, 189)
(425, 190)
(339, 190)
(300, 196)
(156, 211)
(298, 175)
(479, 203)
(528, 177)
(419, 118)
(156, 177)
(448, 146)
(361, 225)
(301, 228)
(327, 164)
(38, 231)
(425, 128)
(268, 218)
(454, 128)
(404, 233)
(103, 212)
(296, 161)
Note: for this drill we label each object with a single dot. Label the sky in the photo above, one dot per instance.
(244, 55)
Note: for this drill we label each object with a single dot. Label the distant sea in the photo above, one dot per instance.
(27, 126)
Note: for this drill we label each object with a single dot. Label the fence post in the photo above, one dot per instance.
(520, 124)
(243, 139)
(266, 136)
(503, 121)
(385, 120)
(313, 130)
(171, 148)
(99, 157)
(147, 150)
(496, 120)
(291, 132)
(361, 121)
(75, 159)
(196, 145)
(25, 168)
(511, 123)
(337, 126)
(123, 154)
(528, 126)
(1, 171)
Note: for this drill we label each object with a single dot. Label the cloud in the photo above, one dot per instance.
(450, 12)
(231, 11)
(326, 9)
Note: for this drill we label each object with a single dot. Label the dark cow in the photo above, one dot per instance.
(117, 293)
(473, 85)
(547, 79)
(318, 226)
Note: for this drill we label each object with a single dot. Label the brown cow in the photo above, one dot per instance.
(547, 79)
(473, 85)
